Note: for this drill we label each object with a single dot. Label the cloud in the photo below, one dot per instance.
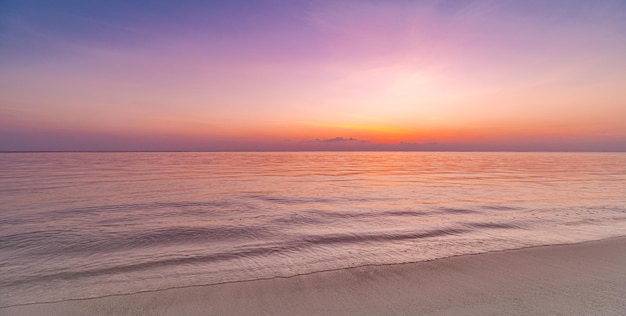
(416, 144)
(339, 139)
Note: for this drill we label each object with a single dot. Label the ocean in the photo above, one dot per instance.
(80, 225)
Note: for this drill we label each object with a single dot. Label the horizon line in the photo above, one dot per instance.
(303, 151)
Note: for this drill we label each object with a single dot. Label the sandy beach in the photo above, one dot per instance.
(581, 279)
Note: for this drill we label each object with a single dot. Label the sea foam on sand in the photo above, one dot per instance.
(581, 279)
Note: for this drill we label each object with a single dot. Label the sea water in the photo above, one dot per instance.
(77, 225)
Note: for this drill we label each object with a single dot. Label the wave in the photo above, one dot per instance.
(74, 242)
(248, 252)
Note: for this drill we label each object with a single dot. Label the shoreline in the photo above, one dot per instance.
(580, 278)
(366, 266)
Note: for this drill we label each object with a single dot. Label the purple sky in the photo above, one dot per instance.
(312, 75)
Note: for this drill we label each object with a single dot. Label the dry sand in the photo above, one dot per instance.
(582, 279)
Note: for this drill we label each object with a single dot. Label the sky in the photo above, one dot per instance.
(312, 75)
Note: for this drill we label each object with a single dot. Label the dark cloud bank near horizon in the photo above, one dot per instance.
(12, 141)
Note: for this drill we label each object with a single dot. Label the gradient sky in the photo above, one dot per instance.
(313, 75)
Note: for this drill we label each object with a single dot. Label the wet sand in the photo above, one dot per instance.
(581, 279)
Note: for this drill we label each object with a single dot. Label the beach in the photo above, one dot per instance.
(312, 157)
(312, 233)
(580, 279)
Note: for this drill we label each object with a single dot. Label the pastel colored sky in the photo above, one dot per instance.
(313, 75)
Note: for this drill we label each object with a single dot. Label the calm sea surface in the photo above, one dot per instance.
(76, 225)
